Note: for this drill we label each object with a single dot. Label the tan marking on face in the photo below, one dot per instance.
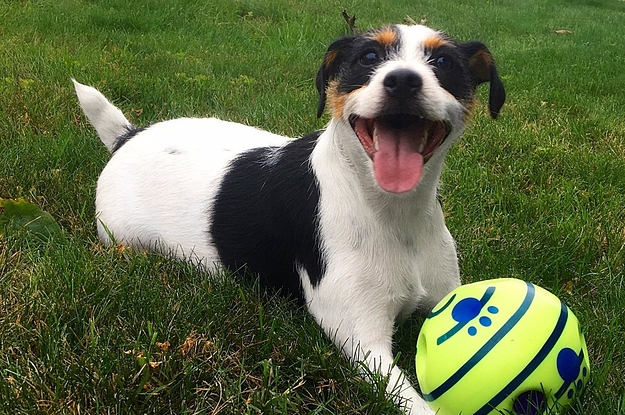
(385, 37)
(434, 42)
(469, 104)
(336, 100)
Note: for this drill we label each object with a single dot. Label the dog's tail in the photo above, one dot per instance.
(105, 117)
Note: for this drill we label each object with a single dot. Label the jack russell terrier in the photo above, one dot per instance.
(345, 219)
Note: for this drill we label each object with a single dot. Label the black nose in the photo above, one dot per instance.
(403, 84)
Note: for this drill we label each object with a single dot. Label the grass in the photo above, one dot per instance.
(538, 194)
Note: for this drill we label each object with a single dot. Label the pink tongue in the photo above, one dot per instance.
(397, 164)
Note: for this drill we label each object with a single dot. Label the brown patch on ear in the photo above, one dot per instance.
(433, 42)
(480, 64)
(482, 68)
(385, 37)
(329, 58)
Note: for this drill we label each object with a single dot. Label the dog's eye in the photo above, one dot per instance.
(443, 62)
(369, 58)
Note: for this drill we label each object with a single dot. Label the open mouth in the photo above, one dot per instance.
(399, 145)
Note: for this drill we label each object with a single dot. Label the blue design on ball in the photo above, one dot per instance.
(493, 309)
(567, 368)
(485, 321)
(568, 364)
(466, 310)
(443, 308)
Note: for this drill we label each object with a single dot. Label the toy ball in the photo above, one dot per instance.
(501, 346)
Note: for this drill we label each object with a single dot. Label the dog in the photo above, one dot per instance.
(346, 220)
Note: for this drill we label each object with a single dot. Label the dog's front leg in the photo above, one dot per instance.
(365, 336)
(378, 359)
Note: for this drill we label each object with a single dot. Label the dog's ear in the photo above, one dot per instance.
(330, 67)
(482, 67)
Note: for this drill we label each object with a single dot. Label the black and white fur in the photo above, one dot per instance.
(309, 215)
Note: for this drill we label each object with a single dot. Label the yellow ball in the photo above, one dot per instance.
(500, 346)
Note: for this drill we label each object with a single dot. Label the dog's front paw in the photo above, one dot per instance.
(415, 405)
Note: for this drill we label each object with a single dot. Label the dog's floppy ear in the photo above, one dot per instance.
(330, 67)
(482, 67)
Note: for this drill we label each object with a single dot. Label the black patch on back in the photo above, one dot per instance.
(126, 136)
(265, 214)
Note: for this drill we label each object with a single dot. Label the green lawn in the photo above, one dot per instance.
(538, 194)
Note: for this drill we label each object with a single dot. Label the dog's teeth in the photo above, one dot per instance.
(376, 140)
(424, 141)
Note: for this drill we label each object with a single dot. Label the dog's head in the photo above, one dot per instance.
(406, 92)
